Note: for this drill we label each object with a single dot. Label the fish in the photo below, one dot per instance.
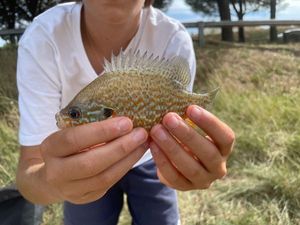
(140, 86)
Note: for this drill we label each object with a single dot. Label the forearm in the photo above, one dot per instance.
(32, 184)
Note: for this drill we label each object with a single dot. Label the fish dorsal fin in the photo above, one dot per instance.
(175, 68)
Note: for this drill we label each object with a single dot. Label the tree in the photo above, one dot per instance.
(8, 9)
(8, 16)
(162, 4)
(242, 7)
(273, 30)
(224, 12)
(205, 6)
(28, 9)
(212, 6)
(14, 12)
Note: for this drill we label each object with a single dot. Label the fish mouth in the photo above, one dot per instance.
(60, 122)
(63, 121)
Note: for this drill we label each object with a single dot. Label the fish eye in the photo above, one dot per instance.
(74, 113)
(107, 112)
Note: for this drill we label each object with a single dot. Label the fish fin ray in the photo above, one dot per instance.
(190, 122)
(204, 100)
(175, 68)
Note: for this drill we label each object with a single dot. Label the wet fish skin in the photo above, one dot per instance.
(143, 90)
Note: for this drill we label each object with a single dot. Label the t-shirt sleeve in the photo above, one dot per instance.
(181, 44)
(39, 88)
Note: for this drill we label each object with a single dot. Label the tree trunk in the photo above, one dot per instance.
(224, 11)
(241, 16)
(242, 34)
(273, 30)
(241, 30)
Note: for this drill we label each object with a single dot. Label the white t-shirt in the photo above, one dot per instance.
(53, 66)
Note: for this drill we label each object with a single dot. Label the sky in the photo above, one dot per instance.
(182, 12)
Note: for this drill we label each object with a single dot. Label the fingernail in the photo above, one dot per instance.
(173, 122)
(139, 135)
(196, 112)
(124, 125)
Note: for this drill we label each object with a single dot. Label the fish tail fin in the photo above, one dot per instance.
(204, 100)
(190, 122)
(194, 126)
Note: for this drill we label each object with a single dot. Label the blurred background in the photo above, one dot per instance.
(258, 71)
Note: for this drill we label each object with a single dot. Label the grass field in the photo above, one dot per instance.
(259, 99)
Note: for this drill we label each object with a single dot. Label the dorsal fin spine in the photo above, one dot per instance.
(175, 68)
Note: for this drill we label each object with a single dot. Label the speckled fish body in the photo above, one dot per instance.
(140, 87)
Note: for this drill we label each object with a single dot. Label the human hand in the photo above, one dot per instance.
(185, 159)
(83, 176)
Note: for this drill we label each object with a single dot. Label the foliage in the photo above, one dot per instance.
(8, 10)
(31, 8)
(259, 99)
(210, 7)
(13, 12)
(259, 91)
(241, 7)
(204, 6)
(8, 116)
(162, 4)
(17, 13)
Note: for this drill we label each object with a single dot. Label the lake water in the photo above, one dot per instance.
(289, 10)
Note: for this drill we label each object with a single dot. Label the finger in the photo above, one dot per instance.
(101, 182)
(190, 168)
(221, 134)
(200, 146)
(72, 140)
(166, 172)
(90, 163)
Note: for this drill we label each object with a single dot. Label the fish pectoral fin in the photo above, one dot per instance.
(100, 114)
(108, 112)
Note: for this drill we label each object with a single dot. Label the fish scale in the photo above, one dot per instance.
(146, 106)
(141, 87)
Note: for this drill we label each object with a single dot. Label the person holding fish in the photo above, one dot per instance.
(87, 123)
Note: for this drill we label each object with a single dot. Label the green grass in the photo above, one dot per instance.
(8, 116)
(259, 99)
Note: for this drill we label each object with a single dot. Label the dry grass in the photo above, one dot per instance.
(259, 99)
